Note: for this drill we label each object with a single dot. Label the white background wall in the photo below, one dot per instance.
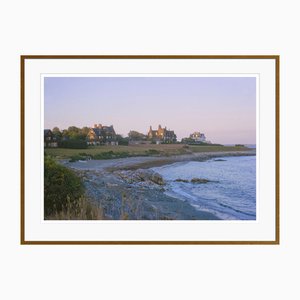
(152, 27)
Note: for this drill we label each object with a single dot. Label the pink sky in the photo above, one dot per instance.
(224, 108)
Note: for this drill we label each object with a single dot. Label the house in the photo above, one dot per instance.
(161, 135)
(49, 139)
(102, 135)
(198, 137)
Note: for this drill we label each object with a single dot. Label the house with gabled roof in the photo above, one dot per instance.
(162, 135)
(198, 136)
(49, 139)
(102, 135)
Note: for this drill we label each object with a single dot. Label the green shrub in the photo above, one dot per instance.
(110, 155)
(122, 154)
(73, 144)
(152, 151)
(74, 158)
(62, 188)
(83, 154)
(123, 142)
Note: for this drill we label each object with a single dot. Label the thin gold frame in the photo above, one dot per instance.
(22, 151)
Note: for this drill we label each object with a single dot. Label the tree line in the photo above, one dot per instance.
(75, 137)
(72, 133)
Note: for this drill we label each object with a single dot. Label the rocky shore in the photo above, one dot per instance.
(127, 189)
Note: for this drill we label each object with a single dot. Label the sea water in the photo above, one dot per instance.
(230, 193)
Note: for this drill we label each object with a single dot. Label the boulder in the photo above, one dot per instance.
(156, 178)
(200, 180)
(181, 180)
(145, 176)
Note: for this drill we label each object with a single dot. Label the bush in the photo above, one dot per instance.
(74, 158)
(123, 142)
(62, 188)
(83, 154)
(73, 144)
(204, 144)
(152, 152)
(110, 155)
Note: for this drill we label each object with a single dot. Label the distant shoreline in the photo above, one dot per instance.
(141, 162)
(183, 158)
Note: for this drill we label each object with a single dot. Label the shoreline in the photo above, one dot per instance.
(185, 158)
(127, 188)
(147, 162)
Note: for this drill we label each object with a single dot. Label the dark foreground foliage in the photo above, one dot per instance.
(62, 188)
(64, 197)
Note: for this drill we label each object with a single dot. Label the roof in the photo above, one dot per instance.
(47, 131)
(104, 130)
(109, 129)
(97, 131)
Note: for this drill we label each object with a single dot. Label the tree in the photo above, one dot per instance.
(74, 133)
(84, 131)
(121, 140)
(136, 136)
(57, 133)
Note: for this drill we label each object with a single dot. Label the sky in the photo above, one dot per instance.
(224, 108)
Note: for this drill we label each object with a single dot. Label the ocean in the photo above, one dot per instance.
(231, 192)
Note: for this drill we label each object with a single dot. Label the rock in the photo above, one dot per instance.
(181, 180)
(142, 175)
(138, 176)
(156, 178)
(200, 180)
(219, 159)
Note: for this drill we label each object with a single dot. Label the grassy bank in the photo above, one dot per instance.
(109, 152)
(85, 210)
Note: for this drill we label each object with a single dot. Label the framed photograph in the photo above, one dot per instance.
(149, 149)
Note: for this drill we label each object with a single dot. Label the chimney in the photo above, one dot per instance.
(151, 128)
(159, 126)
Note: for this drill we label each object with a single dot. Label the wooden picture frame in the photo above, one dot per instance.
(31, 91)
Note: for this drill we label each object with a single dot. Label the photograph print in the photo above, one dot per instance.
(150, 147)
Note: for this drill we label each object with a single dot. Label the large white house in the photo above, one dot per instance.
(198, 137)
